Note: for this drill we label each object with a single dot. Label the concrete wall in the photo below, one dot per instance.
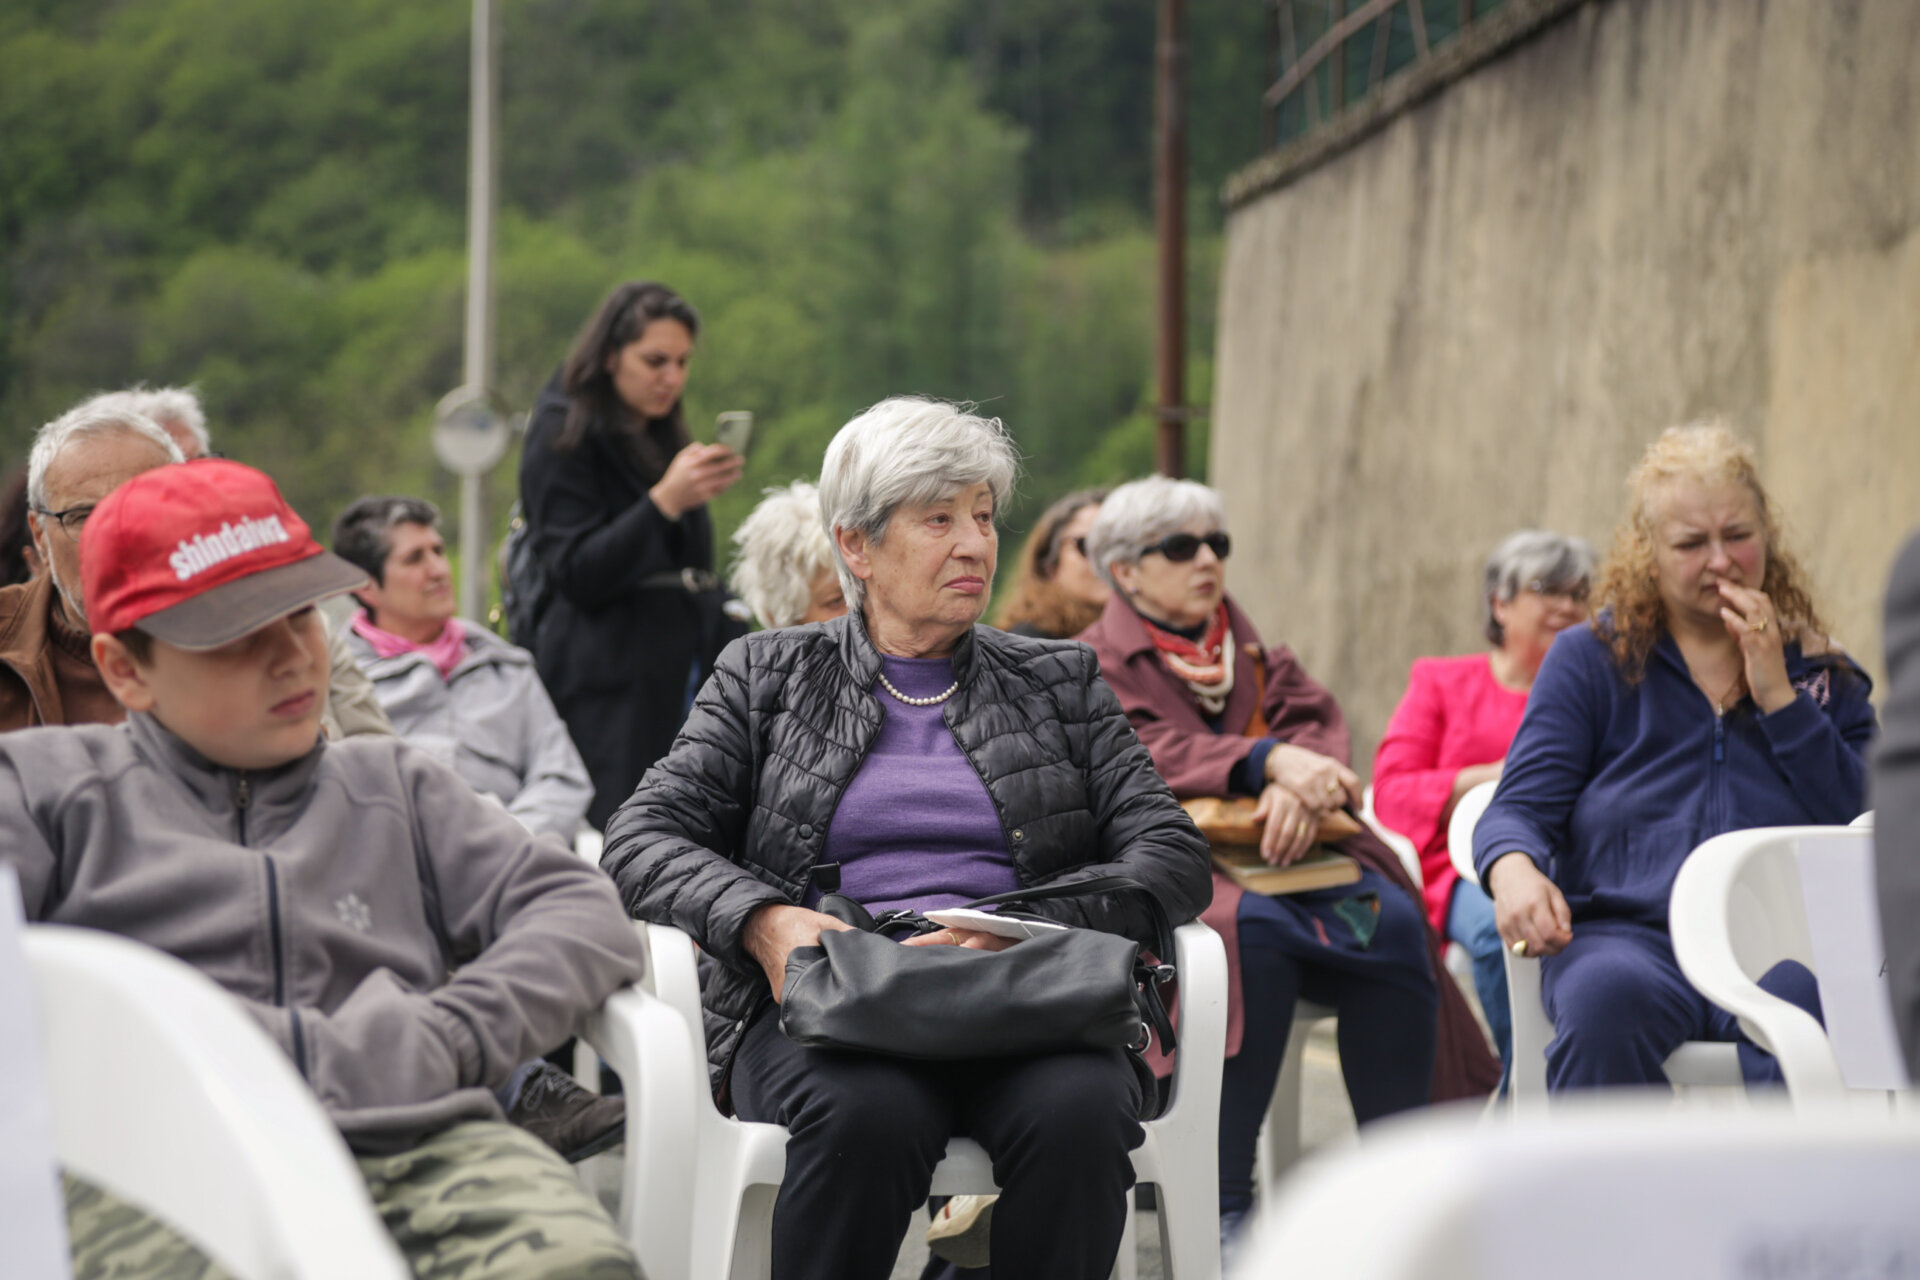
(1473, 321)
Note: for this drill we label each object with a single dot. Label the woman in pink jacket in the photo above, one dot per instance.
(1451, 730)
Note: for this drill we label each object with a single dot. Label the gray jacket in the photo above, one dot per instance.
(405, 941)
(491, 721)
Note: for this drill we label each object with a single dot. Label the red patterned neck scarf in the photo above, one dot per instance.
(1206, 665)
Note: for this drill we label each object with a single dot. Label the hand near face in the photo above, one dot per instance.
(698, 474)
(1752, 622)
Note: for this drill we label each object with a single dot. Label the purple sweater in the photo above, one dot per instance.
(916, 827)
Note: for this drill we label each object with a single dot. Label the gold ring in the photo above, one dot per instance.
(1305, 826)
(1520, 946)
(1333, 788)
(1760, 625)
(953, 937)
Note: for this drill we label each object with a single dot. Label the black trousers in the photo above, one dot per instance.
(865, 1132)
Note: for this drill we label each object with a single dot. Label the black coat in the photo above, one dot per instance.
(617, 657)
(737, 815)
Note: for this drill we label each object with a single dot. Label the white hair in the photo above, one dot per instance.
(177, 406)
(1534, 558)
(782, 547)
(908, 451)
(1141, 512)
(102, 415)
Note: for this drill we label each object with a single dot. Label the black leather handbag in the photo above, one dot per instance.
(1071, 989)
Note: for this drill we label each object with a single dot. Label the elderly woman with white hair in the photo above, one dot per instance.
(783, 564)
(1451, 731)
(1223, 715)
(912, 758)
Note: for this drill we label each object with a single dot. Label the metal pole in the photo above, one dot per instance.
(1170, 217)
(478, 363)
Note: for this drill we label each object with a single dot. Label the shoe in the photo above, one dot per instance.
(962, 1231)
(1231, 1223)
(575, 1122)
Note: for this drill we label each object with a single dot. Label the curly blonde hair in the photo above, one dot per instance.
(1630, 615)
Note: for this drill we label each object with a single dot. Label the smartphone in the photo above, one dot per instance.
(734, 429)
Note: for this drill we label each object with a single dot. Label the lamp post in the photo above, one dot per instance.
(1170, 219)
(470, 431)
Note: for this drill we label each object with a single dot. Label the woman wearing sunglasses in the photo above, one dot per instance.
(1223, 715)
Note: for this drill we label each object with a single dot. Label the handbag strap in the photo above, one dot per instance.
(1158, 975)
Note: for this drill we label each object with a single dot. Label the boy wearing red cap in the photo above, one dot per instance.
(405, 942)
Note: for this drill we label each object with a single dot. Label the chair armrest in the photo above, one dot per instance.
(1699, 921)
(1200, 958)
(648, 1044)
(1466, 816)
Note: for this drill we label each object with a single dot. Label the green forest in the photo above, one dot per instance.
(267, 199)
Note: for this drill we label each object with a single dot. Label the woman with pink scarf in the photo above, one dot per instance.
(451, 686)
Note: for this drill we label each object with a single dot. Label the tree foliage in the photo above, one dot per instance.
(266, 198)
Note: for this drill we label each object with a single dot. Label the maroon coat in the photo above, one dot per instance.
(1195, 761)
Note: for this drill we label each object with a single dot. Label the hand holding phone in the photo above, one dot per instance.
(734, 429)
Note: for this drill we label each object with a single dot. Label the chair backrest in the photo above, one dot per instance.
(166, 1093)
(1687, 1192)
(1466, 816)
(1401, 846)
(1746, 900)
(32, 1223)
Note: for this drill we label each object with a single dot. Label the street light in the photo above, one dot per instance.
(470, 426)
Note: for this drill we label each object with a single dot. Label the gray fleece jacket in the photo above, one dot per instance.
(492, 721)
(405, 941)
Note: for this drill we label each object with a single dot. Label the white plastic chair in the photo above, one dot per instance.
(663, 1075)
(1401, 846)
(167, 1094)
(1279, 1145)
(1697, 1064)
(712, 1185)
(1738, 908)
(1611, 1185)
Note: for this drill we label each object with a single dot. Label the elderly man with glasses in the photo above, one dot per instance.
(47, 674)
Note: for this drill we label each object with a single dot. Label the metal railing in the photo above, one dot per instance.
(1334, 55)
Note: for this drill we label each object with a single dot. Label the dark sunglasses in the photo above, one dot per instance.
(1182, 547)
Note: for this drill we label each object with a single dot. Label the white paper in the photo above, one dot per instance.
(1850, 958)
(988, 922)
(33, 1222)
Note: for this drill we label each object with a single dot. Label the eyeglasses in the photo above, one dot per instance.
(1182, 547)
(73, 519)
(1572, 592)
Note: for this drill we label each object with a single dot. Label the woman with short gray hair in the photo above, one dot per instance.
(1452, 728)
(906, 756)
(1225, 716)
(783, 566)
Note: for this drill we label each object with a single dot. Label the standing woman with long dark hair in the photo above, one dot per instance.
(615, 490)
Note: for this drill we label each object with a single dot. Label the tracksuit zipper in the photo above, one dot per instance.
(242, 801)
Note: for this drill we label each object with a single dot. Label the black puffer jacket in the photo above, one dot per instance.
(736, 815)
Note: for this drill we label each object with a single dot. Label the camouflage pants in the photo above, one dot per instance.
(479, 1201)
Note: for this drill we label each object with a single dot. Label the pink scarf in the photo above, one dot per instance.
(444, 650)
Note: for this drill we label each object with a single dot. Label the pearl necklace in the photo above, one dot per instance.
(934, 701)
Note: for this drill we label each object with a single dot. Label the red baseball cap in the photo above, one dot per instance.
(199, 554)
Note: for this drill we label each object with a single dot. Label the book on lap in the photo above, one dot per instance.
(1321, 868)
